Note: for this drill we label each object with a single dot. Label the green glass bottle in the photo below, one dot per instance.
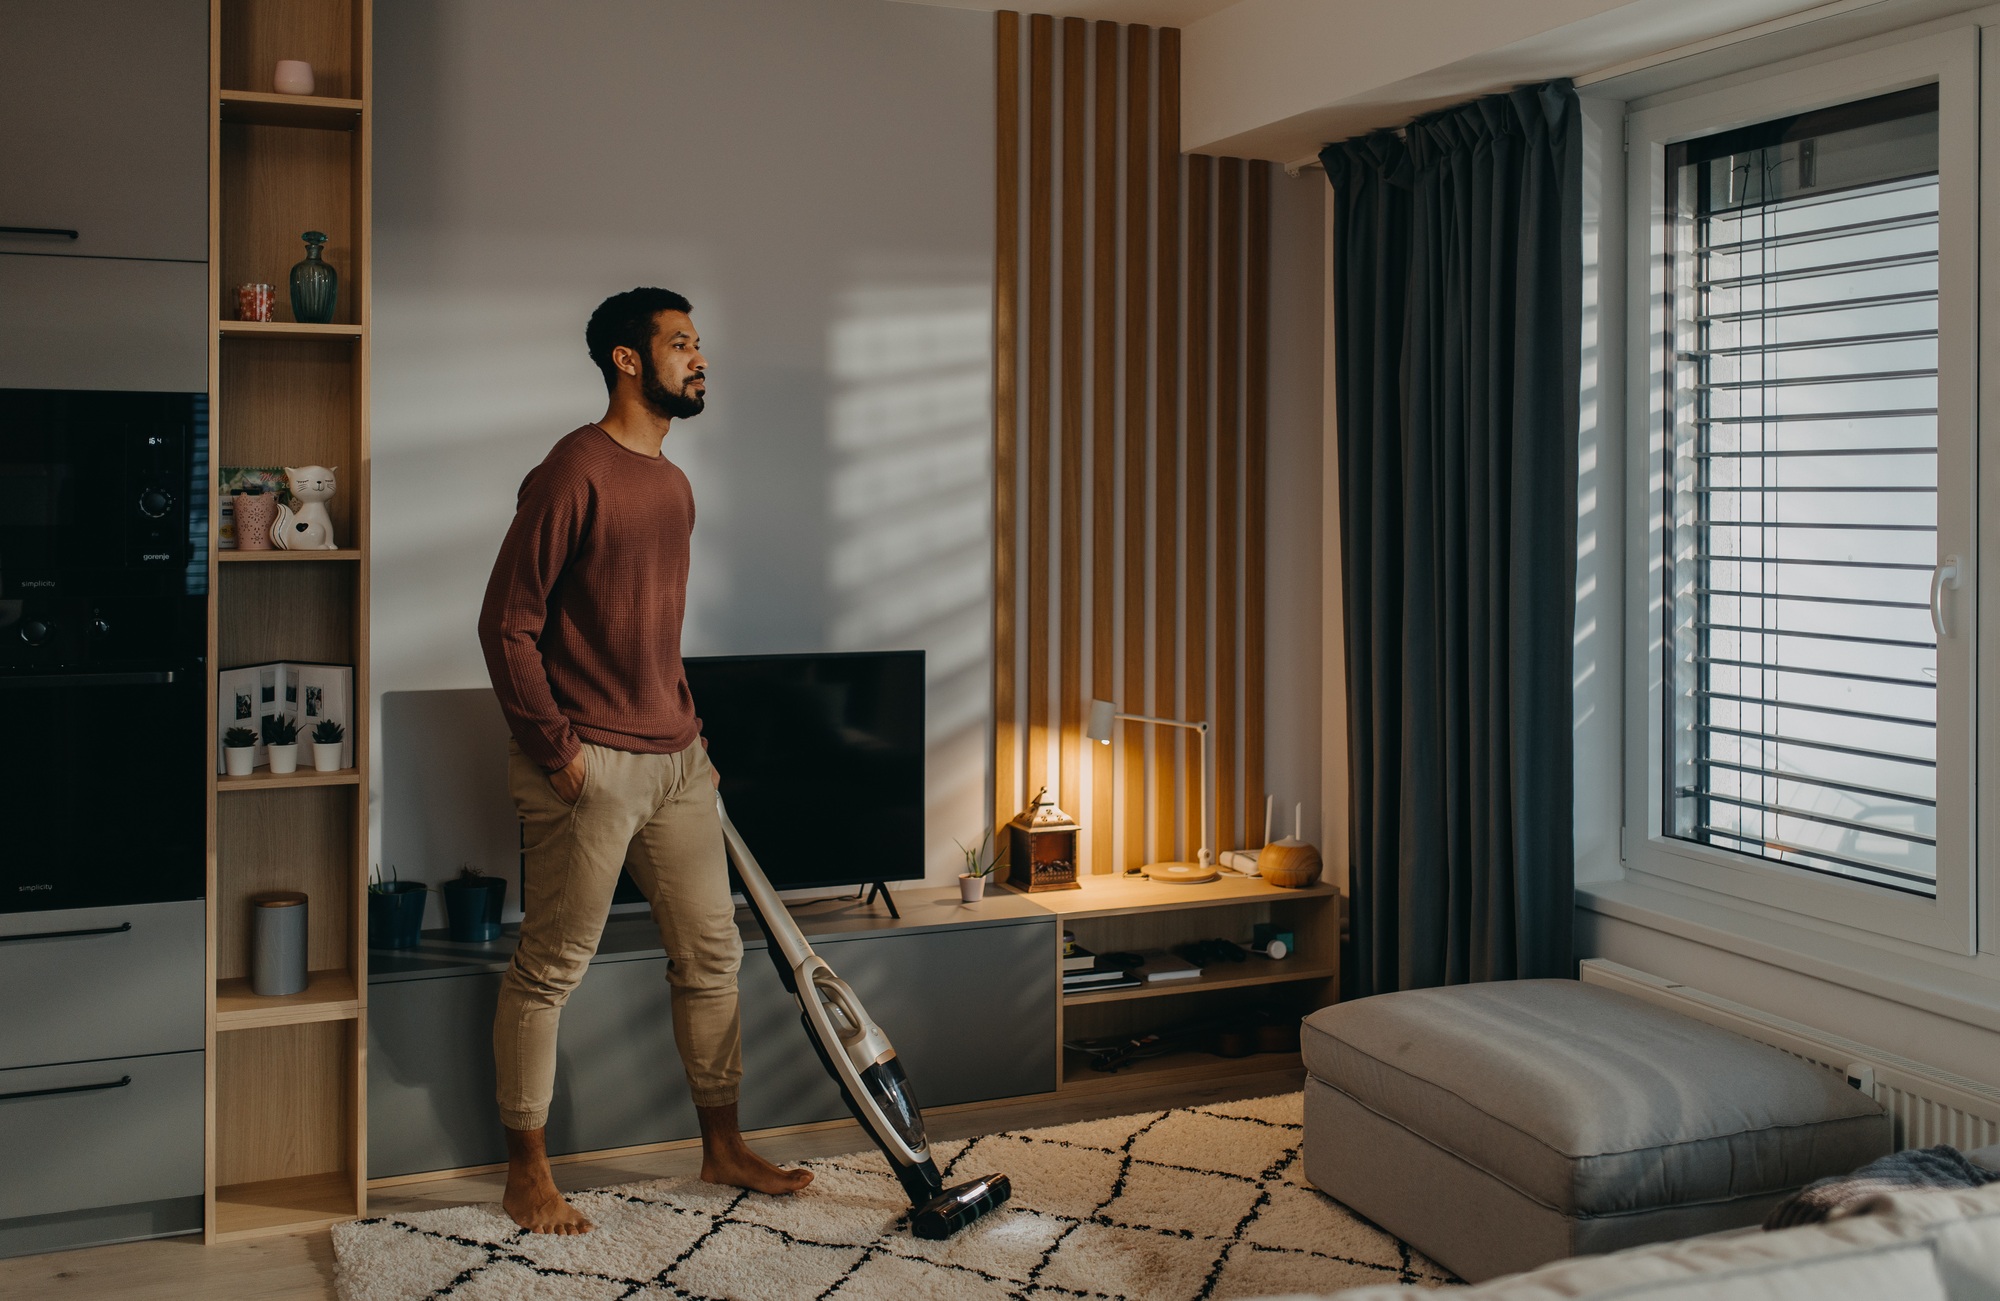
(315, 285)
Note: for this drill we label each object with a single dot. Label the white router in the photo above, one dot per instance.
(1245, 860)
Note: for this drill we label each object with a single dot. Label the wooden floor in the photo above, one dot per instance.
(301, 1265)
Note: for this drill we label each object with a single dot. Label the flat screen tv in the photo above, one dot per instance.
(822, 761)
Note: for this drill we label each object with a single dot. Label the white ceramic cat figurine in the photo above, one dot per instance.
(309, 527)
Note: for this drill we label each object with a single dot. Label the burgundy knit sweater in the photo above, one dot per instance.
(582, 620)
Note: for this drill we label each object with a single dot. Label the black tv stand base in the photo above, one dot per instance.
(881, 888)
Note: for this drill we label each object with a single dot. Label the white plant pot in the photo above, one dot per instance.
(971, 889)
(326, 756)
(284, 758)
(239, 760)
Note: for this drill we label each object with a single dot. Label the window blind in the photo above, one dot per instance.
(1801, 494)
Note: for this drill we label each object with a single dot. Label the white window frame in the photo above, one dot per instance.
(1951, 59)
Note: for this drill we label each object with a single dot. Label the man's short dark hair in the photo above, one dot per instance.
(628, 320)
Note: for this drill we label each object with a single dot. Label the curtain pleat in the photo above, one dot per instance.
(1458, 308)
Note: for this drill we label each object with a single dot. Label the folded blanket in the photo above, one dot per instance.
(1839, 1196)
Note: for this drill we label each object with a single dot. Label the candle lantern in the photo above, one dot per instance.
(1041, 847)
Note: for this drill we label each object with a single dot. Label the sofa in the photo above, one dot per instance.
(1916, 1246)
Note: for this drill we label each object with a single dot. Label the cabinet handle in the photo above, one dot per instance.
(57, 231)
(139, 678)
(118, 1083)
(65, 935)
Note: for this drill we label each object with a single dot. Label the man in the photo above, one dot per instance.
(582, 633)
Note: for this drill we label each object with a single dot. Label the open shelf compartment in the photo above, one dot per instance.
(286, 1099)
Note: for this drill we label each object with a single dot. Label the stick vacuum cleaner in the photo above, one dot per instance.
(858, 1056)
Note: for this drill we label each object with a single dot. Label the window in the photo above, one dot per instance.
(1802, 261)
(1802, 330)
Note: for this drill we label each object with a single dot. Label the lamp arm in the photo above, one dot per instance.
(1169, 722)
(1204, 856)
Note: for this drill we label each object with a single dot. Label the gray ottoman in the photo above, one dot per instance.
(1498, 1127)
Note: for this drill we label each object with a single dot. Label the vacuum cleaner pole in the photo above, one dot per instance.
(859, 1057)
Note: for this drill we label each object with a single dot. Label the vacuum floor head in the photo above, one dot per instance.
(958, 1206)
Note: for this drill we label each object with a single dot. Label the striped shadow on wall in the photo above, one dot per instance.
(1130, 316)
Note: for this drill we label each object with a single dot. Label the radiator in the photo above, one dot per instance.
(1928, 1106)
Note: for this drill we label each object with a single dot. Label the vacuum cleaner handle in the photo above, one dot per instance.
(785, 938)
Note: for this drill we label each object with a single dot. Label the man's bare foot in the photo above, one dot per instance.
(727, 1159)
(531, 1199)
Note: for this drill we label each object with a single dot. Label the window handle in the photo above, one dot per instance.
(1945, 575)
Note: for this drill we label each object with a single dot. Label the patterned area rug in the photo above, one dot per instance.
(1183, 1205)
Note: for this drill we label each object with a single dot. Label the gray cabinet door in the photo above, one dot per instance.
(619, 1081)
(104, 126)
(100, 1134)
(103, 323)
(85, 983)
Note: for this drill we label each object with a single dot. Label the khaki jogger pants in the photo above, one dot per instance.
(654, 814)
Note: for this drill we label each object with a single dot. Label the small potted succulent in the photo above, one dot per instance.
(327, 736)
(281, 742)
(472, 903)
(395, 911)
(239, 751)
(972, 881)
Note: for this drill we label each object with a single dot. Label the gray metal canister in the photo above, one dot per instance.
(278, 942)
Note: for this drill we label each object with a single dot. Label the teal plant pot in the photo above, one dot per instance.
(396, 915)
(472, 908)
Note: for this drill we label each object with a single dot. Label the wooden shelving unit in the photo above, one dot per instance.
(287, 1104)
(1132, 914)
(267, 781)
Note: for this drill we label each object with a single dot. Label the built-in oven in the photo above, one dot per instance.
(103, 646)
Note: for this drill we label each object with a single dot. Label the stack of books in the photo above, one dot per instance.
(1082, 973)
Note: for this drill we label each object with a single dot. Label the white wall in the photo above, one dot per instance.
(1292, 625)
(817, 176)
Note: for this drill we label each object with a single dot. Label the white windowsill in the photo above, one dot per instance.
(1966, 992)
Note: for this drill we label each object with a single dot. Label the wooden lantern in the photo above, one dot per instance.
(1041, 848)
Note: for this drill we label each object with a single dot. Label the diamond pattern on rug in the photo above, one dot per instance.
(1195, 1204)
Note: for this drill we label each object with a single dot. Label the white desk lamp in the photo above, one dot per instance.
(1102, 714)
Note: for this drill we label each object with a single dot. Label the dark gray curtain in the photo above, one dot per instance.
(1458, 302)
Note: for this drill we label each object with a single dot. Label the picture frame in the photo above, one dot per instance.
(306, 693)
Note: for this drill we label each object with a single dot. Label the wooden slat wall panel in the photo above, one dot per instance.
(1166, 439)
(1256, 372)
(1069, 576)
(1006, 409)
(1129, 741)
(1158, 415)
(1194, 512)
(1228, 391)
(1103, 423)
(1040, 328)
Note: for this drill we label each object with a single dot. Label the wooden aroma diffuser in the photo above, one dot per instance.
(1291, 862)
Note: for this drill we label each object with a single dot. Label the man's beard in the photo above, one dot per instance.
(663, 401)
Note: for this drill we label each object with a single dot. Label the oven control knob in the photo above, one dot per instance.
(36, 631)
(155, 502)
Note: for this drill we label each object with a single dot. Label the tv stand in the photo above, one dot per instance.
(882, 888)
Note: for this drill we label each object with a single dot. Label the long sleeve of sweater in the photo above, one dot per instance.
(548, 523)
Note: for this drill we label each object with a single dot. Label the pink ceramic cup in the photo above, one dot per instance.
(254, 513)
(292, 77)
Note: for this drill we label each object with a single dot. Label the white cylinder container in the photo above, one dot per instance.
(284, 758)
(326, 756)
(277, 943)
(239, 760)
